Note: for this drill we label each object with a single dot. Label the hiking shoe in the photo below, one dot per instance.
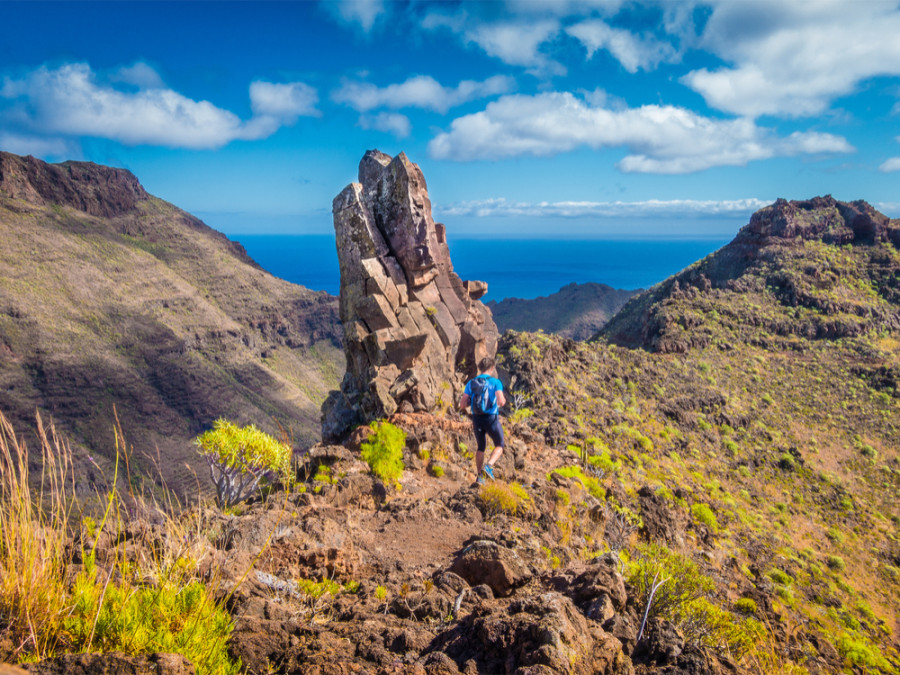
(479, 480)
(488, 471)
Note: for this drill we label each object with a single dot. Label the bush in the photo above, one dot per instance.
(835, 562)
(745, 606)
(135, 604)
(780, 577)
(704, 514)
(786, 461)
(499, 497)
(590, 483)
(240, 458)
(383, 452)
(683, 599)
(858, 652)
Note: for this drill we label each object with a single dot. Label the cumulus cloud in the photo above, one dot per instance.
(661, 139)
(140, 75)
(392, 123)
(632, 51)
(892, 164)
(421, 91)
(73, 101)
(283, 101)
(516, 42)
(792, 58)
(653, 208)
(360, 12)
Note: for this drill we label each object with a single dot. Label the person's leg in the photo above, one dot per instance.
(481, 442)
(495, 431)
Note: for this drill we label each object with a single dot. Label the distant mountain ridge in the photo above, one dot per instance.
(576, 311)
(829, 266)
(110, 296)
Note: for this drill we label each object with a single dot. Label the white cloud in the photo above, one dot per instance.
(72, 101)
(892, 164)
(140, 75)
(421, 91)
(653, 208)
(37, 146)
(361, 12)
(632, 51)
(661, 139)
(392, 123)
(792, 58)
(516, 42)
(283, 101)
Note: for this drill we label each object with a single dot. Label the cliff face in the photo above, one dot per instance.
(412, 328)
(112, 297)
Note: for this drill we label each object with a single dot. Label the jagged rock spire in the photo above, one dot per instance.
(413, 330)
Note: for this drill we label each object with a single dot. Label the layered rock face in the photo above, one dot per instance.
(413, 330)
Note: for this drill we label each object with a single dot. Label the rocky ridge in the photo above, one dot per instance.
(796, 247)
(413, 330)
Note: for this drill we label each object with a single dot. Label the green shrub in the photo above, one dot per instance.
(860, 653)
(499, 497)
(704, 514)
(835, 562)
(683, 598)
(835, 535)
(591, 484)
(745, 606)
(240, 458)
(780, 577)
(437, 470)
(174, 616)
(786, 461)
(383, 451)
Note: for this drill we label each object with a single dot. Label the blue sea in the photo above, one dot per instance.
(513, 268)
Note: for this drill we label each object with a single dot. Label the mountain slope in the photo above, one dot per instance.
(112, 297)
(747, 411)
(576, 311)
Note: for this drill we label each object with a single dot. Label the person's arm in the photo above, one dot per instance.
(464, 402)
(501, 398)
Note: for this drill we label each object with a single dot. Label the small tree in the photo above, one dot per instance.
(240, 458)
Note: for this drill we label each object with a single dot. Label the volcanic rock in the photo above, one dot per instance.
(413, 330)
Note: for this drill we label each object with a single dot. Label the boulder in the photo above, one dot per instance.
(542, 633)
(413, 330)
(486, 562)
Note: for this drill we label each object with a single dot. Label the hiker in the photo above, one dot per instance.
(485, 393)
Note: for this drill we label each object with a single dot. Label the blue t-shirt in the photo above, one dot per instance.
(496, 384)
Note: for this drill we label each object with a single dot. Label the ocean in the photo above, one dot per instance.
(513, 268)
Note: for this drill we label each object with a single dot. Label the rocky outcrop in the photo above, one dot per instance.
(100, 191)
(412, 328)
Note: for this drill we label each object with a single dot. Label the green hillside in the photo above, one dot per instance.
(111, 298)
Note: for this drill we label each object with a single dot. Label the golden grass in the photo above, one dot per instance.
(33, 534)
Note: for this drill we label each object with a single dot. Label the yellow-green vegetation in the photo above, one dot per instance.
(590, 483)
(241, 458)
(783, 444)
(383, 451)
(498, 496)
(683, 596)
(133, 603)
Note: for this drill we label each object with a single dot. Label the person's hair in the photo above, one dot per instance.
(485, 364)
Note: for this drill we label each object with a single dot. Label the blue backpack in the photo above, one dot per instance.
(483, 396)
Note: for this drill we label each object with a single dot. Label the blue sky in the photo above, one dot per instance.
(547, 118)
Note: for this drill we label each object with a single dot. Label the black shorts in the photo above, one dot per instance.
(487, 425)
